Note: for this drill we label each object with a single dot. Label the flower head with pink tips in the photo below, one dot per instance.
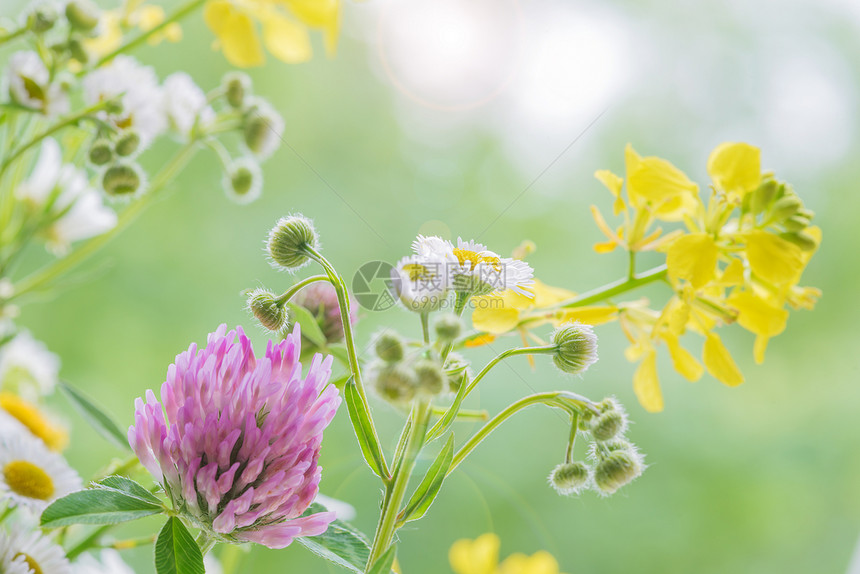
(237, 451)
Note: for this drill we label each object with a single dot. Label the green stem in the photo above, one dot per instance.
(8, 37)
(395, 491)
(205, 542)
(49, 273)
(6, 512)
(180, 13)
(230, 558)
(88, 542)
(559, 399)
(616, 288)
(425, 326)
(464, 414)
(132, 543)
(574, 424)
(289, 293)
(631, 265)
(459, 306)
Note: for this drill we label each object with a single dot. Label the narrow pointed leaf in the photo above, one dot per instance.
(128, 486)
(446, 421)
(367, 439)
(97, 506)
(341, 544)
(385, 562)
(96, 416)
(176, 552)
(426, 492)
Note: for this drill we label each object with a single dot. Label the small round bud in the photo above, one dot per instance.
(764, 195)
(430, 377)
(237, 86)
(785, 207)
(455, 368)
(389, 347)
(801, 239)
(266, 309)
(101, 152)
(448, 327)
(42, 18)
(617, 469)
(122, 180)
(78, 51)
(618, 444)
(569, 477)
(609, 425)
(796, 223)
(576, 347)
(83, 15)
(127, 143)
(289, 241)
(262, 129)
(394, 382)
(114, 107)
(243, 181)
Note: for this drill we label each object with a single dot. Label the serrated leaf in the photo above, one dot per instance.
(310, 327)
(367, 439)
(95, 416)
(385, 562)
(176, 552)
(97, 506)
(426, 492)
(341, 544)
(128, 486)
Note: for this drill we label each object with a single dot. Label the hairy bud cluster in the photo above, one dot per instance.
(400, 375)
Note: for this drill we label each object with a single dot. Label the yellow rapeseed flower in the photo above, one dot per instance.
(481, 556)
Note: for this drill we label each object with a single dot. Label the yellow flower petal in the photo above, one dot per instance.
(547, 295)
(759, 347)
(646, 384)
(235, 32)
(772, 258)
(654, 180)
(735, 168)
(479, 340)
(612, 182)
(683, 360)
(692, 257)
(495, 320)
(719, 362)
(110, 37)
(733, 274)
(479, 556)
(590, 315)
(287, 40)
(538, 563)
(315, 13)
(758, 315)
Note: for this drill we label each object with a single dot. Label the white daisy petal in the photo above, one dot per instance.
(185, 103)
(31, 475)
(32, 550)
(108, 562)
(420, 283)
(27, 367)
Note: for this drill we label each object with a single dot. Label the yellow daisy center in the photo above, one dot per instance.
(26, 479)
(29, 416)
(416, 271)
(464, 255)
(31, 563)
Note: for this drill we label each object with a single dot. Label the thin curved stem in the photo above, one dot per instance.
(615, 288)
(290, 293)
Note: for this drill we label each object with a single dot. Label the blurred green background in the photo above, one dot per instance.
(462, 117)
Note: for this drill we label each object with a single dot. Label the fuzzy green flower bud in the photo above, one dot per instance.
(262, 128)
(83, 15)
(455, 368)
(609, 425)
(764, 195)
(237, 86)
(429, 375)
(121, 180)
(576, 347)
(127, 143)
(389, 347)
(618, 444)
(448, 327)
(394, 382)
(801, 239)
(796, 223)
(569, 477)
(42, 18)
(265, 307)
(101, 152)
(289, 241)
(785, 207)
(616, 470)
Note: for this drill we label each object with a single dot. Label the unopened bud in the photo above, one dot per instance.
(608, 425)
(764, 195)
(448, 327)
(389, 347)
(237, 86)
(617, 469)
(127, 143)
(78, 51)
(121, 180)
(394, 382)
(42, 18)
(429, 375)
(265, 307)
(801, 239)
(83, 15)
(289, 241)
(243, 181)
(796, 223)
(785, 207)
(456, 367)
(576, 347)
(569, 477)
(262, 129)
(101, 152)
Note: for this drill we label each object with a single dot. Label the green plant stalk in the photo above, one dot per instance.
(459, 306)
(610, 290)
(8, 37)
(574, 424)
(395, 491)
(178, 15)
(205, 542)
(290, 293)
(88, 542)
(49, 273)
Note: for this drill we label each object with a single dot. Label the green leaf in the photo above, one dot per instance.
(128, 486)
(340, 353)
(98, 506)
(445, 423)
(176, 552)
(94, 415)
(341, 544)
(310, 328)
(426, 492)
(367, 439)
(385, 562)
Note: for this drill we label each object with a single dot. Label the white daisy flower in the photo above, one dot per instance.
(421, 283)
(185, 104)
(35, 552)
(28, 82)
(33, 476)
(108, 562)
(263, 128)
(77, 209)
(142, 97)
(27, 367)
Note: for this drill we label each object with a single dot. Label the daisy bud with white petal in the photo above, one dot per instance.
(262, 128)
(243, 180)
(237, 87)
(185, 105)
(27, 367)
(83, 15)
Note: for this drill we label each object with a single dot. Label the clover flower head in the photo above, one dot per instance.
(236, 439)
